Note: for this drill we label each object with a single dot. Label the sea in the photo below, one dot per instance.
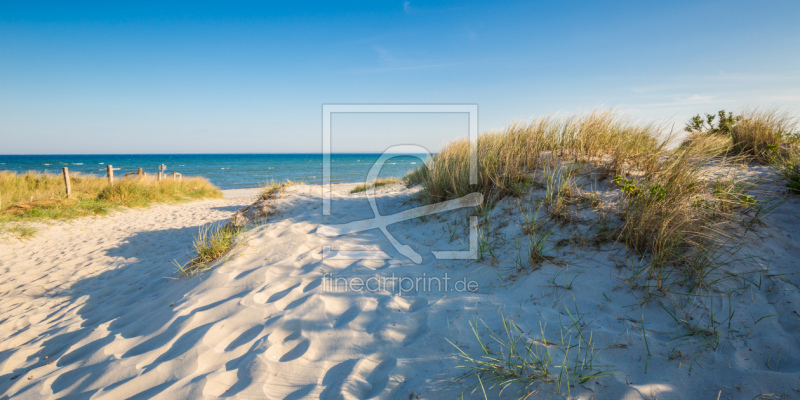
(226, 171)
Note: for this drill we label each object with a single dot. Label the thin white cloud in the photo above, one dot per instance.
(694, 99)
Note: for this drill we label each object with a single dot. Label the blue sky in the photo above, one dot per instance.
(206, 77)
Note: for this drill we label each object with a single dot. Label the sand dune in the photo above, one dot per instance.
(89, 309)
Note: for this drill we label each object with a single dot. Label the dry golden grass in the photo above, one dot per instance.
(711, 143)
(272, 189)
(33, 195)
(677, 208)
(506, 158)
(761, 134)
(679, 214)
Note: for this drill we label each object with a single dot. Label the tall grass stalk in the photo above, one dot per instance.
(684, 215)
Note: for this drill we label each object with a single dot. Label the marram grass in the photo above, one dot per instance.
(506, 158)
(676, 207)
(763, 134)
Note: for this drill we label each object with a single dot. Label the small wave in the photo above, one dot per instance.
(413, 163)
(181, 165)
(77, 163)
(115, 169)
(101, 163)
(223, 168)
(46, 164)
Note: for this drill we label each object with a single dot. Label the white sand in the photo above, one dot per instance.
(86, 311)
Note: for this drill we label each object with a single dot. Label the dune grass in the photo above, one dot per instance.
(215, 241)
(506, 158)
(682, 218)
(789, 168)
(35, 196)
(378, 183)
(514, 358)
(762, 134)
(270, 189)
(683, 214)
(766, 136)
(211, 243)
(671, 210)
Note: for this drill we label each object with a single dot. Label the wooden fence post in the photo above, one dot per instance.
(110, 173)
(65, 171)
(139, 173)
(159, 175)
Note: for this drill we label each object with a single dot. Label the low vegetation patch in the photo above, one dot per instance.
(766, 136)
(378, 183)
(272, 189)
(35, 196)
(518, 359)
(215, 241)
(789, 167)
(211, 243)
(763, 135)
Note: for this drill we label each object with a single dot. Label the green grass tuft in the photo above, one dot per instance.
(514, 359)
(211, 243)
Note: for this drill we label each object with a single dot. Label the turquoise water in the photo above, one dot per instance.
(227, 171)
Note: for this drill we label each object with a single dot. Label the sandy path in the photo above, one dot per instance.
(104, 323)
(51, 281)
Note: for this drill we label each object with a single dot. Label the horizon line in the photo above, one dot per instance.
(195, 154)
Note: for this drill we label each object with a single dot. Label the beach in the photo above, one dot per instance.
(400, 200)
(94, 308)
